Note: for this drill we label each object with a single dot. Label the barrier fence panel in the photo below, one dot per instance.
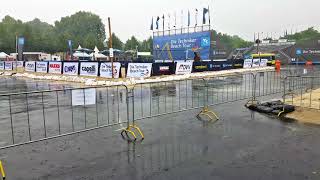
(40, 115)
(302, 91)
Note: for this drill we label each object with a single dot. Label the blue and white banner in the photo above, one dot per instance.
(255, 62)
(8, 66)
(55, 67)
(182, 46)
(19, 64)
(184, 67)
(105, 70)
(42, 67)
(263, 62)
(1, 65)
(139, 70)
(247, 63)
(89, 68)
(30, 66)
(70, 68)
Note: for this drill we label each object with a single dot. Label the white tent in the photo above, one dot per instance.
(79, 47)
(3, 55)
(81, 54)
(96, 50)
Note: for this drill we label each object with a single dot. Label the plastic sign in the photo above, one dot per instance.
(247, 63)
(42, 67)
(70, 68)
(105, 70)
(139, 70)
(263, 62)
(1, 65)
(8, 66)
(89, 69)
(19, 64)
(55, 67)
(184, 67)
(30, 66)
(111, 52)
(255, 62)
(83, 97)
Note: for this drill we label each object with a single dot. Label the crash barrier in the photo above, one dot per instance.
(132, 70)
(302, 91)
(2, 172)
(41, 115)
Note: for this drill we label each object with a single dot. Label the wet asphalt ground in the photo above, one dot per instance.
(242, 145)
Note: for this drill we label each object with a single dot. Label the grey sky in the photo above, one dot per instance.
(133, 17)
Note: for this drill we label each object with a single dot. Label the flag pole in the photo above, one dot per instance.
(110, 45)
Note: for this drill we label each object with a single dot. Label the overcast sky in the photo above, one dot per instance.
(133, 17)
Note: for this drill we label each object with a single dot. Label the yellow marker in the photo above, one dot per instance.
(3, 174)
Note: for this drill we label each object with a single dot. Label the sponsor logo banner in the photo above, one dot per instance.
(184, 67)
(89, 68)
(42, 67)
(19, 64)
(55, 67)
(70, 68)
(1, 65)
(255, 62)
(8, 65)
(105, 70)
(30, 66)
(263, 62)
(138, 70)
(247, 63)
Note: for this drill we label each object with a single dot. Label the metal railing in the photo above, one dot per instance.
(302, 91)
(29, 117)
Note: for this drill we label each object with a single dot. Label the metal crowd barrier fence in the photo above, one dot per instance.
(41, 115)
(302, 91)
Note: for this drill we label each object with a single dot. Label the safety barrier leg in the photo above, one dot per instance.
(253, 100)
(3, 174)
(133, 128)
(213, 117)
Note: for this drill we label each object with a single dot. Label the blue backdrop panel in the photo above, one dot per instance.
(182, 46)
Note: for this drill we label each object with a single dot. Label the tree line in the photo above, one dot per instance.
(82, 28)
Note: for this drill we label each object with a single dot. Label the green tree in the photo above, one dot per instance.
(132, 43)
(116, 42)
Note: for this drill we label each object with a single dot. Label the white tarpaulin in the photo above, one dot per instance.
(255, 62)
(8, 65)
(42, 67)
(30, 66)
(70, 68)
(264, 62)
(55, 67)
(1, 65)
(139, 70)
(105, 70)
(184, 67)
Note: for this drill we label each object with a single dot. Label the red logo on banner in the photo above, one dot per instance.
(56, 66)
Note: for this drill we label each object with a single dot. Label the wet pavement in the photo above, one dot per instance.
(242, 145)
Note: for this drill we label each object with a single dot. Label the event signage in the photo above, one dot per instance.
(247, 63)
(19, 64)
(84, 97)
(139, 70)
(184, 67)
(89, 68)
(70, 68)
(8, 65)
(30, 66)
(55, 67)
(1, 65)
(255, 62)
(42, 67)
(263, 62)
(105, 70)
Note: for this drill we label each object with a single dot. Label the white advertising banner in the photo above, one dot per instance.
(264, 62)
(70, 68)
(184, 67)
(247, 63)
(139, 70)
(8, 65)
(1, 65)
(255, 62)
(89, 68)
(19, 64)
(42, 67)
(55, 67)
(81, 97)
(105, 70)
(30, 66)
